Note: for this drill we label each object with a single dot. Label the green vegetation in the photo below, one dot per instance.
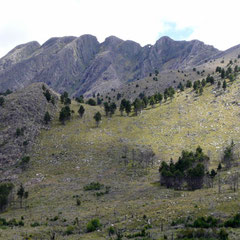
(2, 100)
(64, 114)
(68, 158)
(5, 190)
(91, 102)
(47, 118)
(189, 168)
(97, 118)
(20, 131)
(93, 186)
(81, 111)
(93, 225)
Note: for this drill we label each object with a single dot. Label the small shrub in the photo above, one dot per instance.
(111, 231)
(19, 132)
(78, 202)
(69, 230)
(93, 225)
(54, 219)
(35, 224)
(2, 100)
(93, 186)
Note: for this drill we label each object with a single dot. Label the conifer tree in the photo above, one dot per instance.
(97, 118)
(81, 111)
(128, 107)
(47, 118)
(224, 86)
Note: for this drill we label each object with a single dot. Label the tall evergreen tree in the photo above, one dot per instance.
(81, 111)
(97, 118)
(224, 86)
(20, 194)
(106, 108)
(47, 118)
(121, 109)
(152, 101)
(128, 107)
(223, 73)
(2, 100)
(137, 105)
(112, 108)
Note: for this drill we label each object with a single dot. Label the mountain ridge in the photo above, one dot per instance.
(82, 65)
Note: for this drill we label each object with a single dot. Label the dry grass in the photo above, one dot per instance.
(68, 157)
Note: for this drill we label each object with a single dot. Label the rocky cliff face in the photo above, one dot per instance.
(83, 65)
(23, 110)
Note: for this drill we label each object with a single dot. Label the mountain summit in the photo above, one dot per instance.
(82, 65)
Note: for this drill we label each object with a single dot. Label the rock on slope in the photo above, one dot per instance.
(83, 65)
(24, 109)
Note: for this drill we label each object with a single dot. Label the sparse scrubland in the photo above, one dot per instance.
(101, 181)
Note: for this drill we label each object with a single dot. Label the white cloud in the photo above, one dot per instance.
(214, 22)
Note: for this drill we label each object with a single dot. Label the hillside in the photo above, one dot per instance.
(21, 120)
(68, 157)
(84, 66)
(159, 82)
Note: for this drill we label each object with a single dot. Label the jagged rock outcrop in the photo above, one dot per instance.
(83, 65)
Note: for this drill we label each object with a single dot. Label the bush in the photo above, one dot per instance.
(19, 132)
(35, 224)
(5, 190)
(69, 230)
(93, 225)
(111, 231)
(93, 186)
(78, 202)
(233, 222)
(2, 100)
(48, 95)
(91, 102)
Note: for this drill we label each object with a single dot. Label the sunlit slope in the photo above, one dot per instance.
(67, 157)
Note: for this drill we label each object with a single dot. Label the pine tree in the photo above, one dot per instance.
(152, 101)
(64, 114)
(106, 108)
(112, 108)
(20, 194)
(145, 101)
(224, 86)
(97, 118)
(223, 73)
(121, 109)
(128, 107)
(189, 84)
(137, 105)
(81, 111)
(2, 100)
(47, 118)
(48, 95)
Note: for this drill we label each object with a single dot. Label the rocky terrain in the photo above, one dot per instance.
(84, 66)
(21, 120)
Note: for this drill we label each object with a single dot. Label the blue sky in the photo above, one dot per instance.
(171, 30)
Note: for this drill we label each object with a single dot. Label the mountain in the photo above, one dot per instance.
(21, 119)
(83, 65)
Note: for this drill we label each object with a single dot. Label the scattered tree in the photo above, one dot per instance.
(97, 118)
(2, 100)
(224, 86)
(65, 114)
(81, 111)
(47, 118)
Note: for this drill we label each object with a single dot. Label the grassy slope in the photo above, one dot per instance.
(68, 157)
